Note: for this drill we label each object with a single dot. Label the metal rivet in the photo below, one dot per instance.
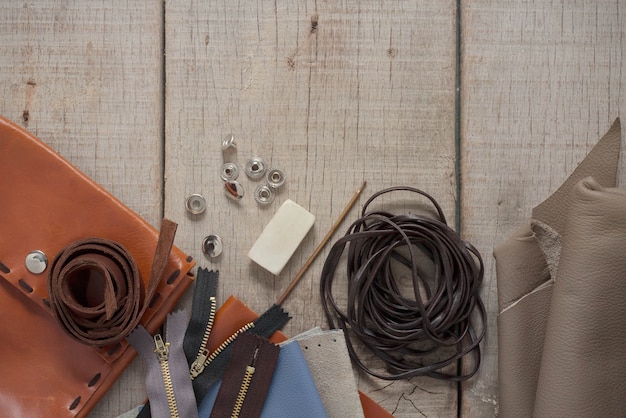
(275, 178)
(212, 246)
(36, 262)
(255, 168)
(264, 195)
(228, 142)
(229, 172)
(195, 204)
(233, 189)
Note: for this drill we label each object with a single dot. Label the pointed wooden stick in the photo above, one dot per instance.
(321, 245)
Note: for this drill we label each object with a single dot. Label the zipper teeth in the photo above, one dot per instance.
(162, 353)
(198, 364)
(209, 325)
(243, 391)
(229, 340)
(169, 389)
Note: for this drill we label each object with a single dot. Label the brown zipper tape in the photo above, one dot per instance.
(247, 378)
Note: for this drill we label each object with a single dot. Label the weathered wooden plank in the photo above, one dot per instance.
(85, 77)
(542, 81)
(333, 93)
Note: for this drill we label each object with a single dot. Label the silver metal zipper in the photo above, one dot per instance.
(162, 352)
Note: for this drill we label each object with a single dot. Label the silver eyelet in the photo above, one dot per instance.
(275, 178)
(264, 195)
(228, 142)
(212, 246)
(233, 189)
(255, 168)
(229, 172)
(195, 204)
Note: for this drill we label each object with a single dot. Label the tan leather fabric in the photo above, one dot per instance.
(562, 298)
(583, 367)
(47, 204)
(331, 368)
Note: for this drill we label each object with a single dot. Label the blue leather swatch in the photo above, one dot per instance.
(292, 391)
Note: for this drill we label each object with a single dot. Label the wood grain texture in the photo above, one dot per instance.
(542, 82)
(334, 93)
(85, 77)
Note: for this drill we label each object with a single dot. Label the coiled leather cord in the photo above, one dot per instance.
(417, 332)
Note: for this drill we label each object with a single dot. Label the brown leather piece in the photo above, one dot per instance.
(561, 298)
(47, 205)
(95, 288)
(248, 350)
(234, 314)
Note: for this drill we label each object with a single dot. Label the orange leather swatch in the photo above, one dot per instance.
(48, 204)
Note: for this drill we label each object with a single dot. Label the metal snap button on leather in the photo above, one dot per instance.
(195, 204)
(36, 262)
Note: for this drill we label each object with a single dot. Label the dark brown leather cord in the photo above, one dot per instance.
(96, 291)
(417, 334)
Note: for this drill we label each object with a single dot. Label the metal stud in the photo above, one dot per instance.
(36, 262)
(275, 178)
(195, 204)
(255, 168)
(264, 195)
(228, 142)
(233, 189)
(230, 171)
(212, 246)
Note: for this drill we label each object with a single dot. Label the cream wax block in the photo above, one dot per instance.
(281, 237)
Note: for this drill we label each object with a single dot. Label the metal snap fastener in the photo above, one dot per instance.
(212, 246)
(36, 262)
(230, 171)
(255, 168)
(228, 142)
(233, 189)
(264, 195)
(275, 178)
(195, 204)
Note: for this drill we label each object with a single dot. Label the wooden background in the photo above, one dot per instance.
(139, 94)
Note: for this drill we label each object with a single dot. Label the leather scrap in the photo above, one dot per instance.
(95, 287)
(561, 293)
(48, 204)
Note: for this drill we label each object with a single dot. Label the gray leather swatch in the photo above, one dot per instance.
(330, 365)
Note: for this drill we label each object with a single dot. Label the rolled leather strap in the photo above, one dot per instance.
(96, 291)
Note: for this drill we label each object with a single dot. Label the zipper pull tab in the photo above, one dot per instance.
(161, 348)
(198, 365)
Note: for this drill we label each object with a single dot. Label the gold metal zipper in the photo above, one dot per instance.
(199, 363)
(245, 383)
(204, 358)
(162, 351)
(243, 391)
